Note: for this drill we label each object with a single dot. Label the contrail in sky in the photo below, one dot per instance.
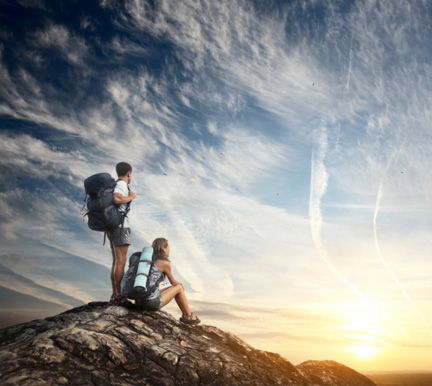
(384, 261)
(349, 69)
(393, 159)
(378, 249)
(319, 182)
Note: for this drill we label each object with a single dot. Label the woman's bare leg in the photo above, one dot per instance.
(177, 292)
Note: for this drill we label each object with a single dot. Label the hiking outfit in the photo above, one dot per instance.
(153, 301)
(122, 234)
(141, 280)
(105, 216)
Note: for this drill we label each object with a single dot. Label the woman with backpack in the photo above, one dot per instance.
(160, 269)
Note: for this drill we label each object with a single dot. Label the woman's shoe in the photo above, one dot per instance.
(190, 319)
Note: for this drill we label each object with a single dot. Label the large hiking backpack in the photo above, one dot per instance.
(103, 214)
(138, 282)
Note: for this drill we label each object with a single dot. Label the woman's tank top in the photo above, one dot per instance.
(155, 277)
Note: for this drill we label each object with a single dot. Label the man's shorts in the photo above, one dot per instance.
(120, 236)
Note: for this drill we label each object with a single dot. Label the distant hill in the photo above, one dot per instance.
(22, 284)
(394, 379)
(67, 273)
(17, 307)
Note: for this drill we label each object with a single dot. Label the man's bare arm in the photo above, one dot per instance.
(120, 199)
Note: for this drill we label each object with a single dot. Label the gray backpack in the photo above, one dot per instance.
(138, 281)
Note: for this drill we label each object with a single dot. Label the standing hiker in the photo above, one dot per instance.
(120, 237)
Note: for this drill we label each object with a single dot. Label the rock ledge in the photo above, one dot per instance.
(98, 344)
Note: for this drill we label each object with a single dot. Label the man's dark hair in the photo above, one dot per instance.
(123, 168)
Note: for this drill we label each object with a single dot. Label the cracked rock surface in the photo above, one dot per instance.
(99, 344)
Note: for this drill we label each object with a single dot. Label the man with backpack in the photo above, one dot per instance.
(108, 202)
(120, 237)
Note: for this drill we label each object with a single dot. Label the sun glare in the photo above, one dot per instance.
(365, 351)
(364, 326)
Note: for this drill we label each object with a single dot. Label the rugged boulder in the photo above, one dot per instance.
(99, 344)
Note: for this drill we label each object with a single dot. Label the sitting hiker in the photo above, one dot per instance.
(161, 269)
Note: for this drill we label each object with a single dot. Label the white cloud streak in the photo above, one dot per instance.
(319, 181)
(71, 47)
(385, 263)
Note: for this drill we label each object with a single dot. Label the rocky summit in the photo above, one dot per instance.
(100, 344)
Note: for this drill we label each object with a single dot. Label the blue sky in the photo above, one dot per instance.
(282, 147)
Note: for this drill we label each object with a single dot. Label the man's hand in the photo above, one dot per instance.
(132, 195)
(120, 199)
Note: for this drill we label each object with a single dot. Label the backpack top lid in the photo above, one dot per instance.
(98, 181)
(147, 253)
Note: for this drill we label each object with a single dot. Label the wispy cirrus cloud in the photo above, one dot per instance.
(217, 105)
(69, 45)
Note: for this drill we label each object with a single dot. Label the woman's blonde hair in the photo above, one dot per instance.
(159, 246)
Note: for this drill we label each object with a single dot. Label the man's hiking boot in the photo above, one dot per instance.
(190, 319)
(120, 300)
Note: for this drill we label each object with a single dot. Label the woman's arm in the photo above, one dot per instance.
(167, 268)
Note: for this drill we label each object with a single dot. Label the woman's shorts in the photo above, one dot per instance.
(120, 236)
(153, 304)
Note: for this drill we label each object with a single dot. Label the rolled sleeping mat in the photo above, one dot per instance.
(143, 270)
